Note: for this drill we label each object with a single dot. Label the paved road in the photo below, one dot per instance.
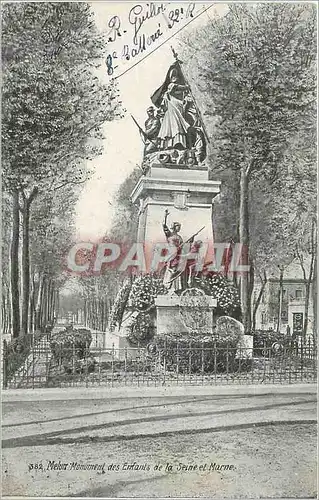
(152, 431)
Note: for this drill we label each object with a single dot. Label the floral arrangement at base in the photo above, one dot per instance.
(226, 294)
(119, 305)
(142, 330)
(144, 291)
(142, 299)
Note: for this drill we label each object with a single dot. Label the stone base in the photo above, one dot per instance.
(186, 193)
(117, 344)
(169, 320)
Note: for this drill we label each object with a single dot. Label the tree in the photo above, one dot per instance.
(125, 221)
(255, 70)
(53, 108)
(5, 270)
(52, 234)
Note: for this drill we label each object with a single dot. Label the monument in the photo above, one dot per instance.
(175, 195)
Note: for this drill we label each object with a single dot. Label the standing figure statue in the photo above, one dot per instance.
(172, 98)
(177, 276)
(181, 125)
(172, 277)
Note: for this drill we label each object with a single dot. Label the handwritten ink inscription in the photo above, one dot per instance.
(144, 26)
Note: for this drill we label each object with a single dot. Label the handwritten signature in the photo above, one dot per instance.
(139, 14)
(138, 18)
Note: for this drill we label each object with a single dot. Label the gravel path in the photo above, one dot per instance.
(268, 441)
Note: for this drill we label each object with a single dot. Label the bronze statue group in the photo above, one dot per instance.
(174, 132)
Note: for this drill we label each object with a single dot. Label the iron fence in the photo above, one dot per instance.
(182, 364)
(17, 355)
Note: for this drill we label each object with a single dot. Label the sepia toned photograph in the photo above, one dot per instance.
(159, 249)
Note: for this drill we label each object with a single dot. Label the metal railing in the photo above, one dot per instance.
(178, 364)
(19, 358)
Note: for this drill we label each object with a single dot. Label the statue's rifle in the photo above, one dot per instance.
(143, 133)
(187, 241)
(192, 237)
(188, 85)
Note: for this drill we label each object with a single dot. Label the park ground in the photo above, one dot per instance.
(268, 436)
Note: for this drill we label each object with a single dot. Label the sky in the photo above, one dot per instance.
(122, 147)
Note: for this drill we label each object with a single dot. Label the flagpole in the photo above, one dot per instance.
(195, 104)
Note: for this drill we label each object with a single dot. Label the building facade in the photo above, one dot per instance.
(293, 303)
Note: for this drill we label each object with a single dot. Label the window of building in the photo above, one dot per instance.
(263, 318)
(298, 293)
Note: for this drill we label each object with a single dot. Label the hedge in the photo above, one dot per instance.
(71, 343)
(200, 354)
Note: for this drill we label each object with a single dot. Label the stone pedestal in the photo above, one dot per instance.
(169, 320)
(187, 194)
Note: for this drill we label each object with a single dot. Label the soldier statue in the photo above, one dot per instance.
(152, 127)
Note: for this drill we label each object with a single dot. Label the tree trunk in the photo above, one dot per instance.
(54, 305)
(314, 299)
(47, 302)
(43, 307)
(51, 302)
(251, 285)
(244, 240)
(258, 300)
(307, 295)
(26, 258)
(39, 304)
(57, 304)
(14, 257)
(32, 305)
(4, 315)
(280, 297)
(313, 280)
(25, 268)
(307, 281)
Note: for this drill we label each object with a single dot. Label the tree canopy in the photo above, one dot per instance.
(253, 72)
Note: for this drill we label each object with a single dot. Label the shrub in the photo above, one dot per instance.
(264, 340)
(16, 352)
(200, 354)
(79, 365)
(142, 330)
(70, 343)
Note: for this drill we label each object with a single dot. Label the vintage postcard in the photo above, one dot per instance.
(159, 249)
